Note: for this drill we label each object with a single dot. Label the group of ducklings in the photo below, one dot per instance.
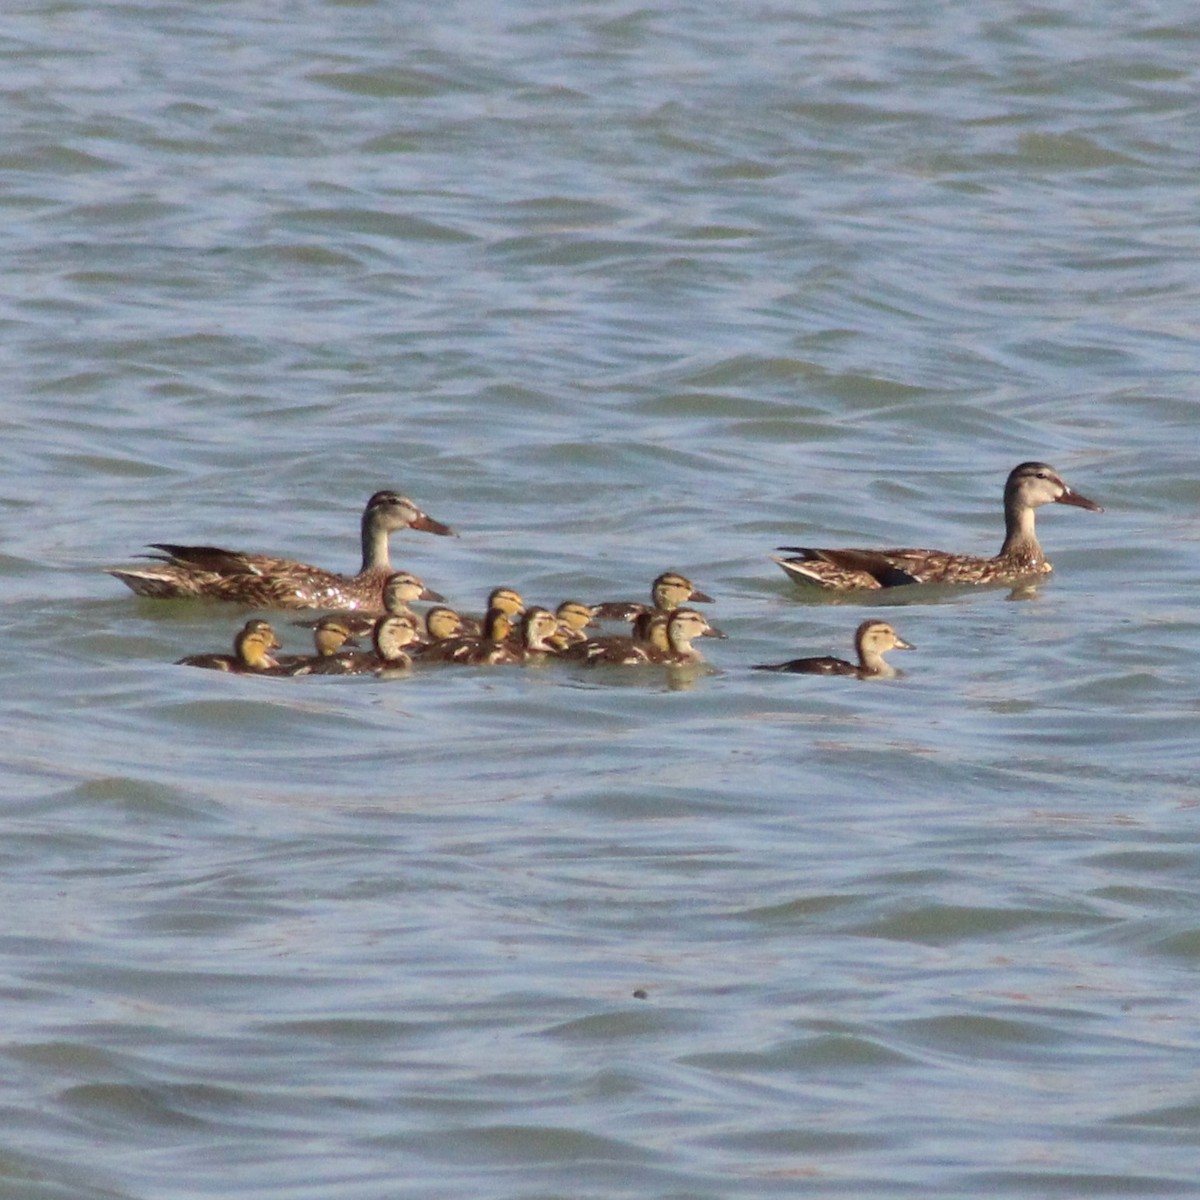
(511, 632)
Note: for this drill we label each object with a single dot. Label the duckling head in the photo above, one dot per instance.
(507, 600)
(685, 624)
(671, 589)
(254, 643)
(442, 623)
(876, 637)
(402, 588)
(392, 634)
(539, 627)
(330, 634)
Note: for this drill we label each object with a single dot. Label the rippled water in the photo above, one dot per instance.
(609, 289)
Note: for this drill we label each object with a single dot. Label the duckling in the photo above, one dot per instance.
(442, 623)
(667, 593)
(539, 634)
(1029, 485)
(331, 635)
(872, 639)
(574, 619)
(251, 652)
(683, 625)
(400, 590)
(260, 580)
(508, 600)
(491, 647)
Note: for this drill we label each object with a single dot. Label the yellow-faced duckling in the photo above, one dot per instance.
(505, 599)
(400, 590)
(667, 593)
(209, 572)
(442, 623)
(331, 636)
(683, 625)
(251, 652)
(574, 620)
(872, 639)
(1029, 486)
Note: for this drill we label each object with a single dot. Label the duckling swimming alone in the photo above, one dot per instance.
(1029, 486)
(872, 639)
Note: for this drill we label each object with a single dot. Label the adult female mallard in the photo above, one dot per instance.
(251, 652)
(208, 572)
(872, 639)
(667, 592)
(1029, 486)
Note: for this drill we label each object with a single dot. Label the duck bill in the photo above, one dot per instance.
(713, 631)
(430, 594)
(426, 524)
(1077, 501)
(901, 644)
(698, 597)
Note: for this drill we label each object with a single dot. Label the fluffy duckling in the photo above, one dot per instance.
(574, 620)
(683, 625)
(442, 623)
(872, 639)
(331, 636)
(251, 652)
(539, 635)
(667, 593)
(504, 599)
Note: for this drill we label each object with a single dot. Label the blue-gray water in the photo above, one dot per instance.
(610, 289)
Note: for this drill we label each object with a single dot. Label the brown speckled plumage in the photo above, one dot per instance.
(1029, 486)
(262, 581)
